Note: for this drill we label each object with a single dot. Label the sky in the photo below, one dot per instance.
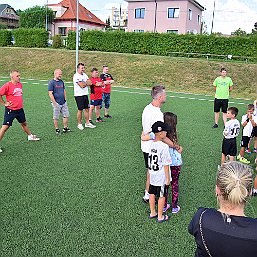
(229, 14)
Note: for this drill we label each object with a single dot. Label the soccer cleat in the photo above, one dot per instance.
(238, 157)
(99, 120)
(33, 138)
(244, 160)
(166, 207)
(254, 150)
(1, 150)
(145, 199)
(58, 131)
(254, 193)
(89, 125)
(65, 130)
(80, 127)
(247, 150)
(108, 116)
(175, 210)
(215, 126)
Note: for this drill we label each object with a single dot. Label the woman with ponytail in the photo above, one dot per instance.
(227, 232)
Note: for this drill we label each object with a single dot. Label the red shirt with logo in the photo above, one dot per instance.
(13, 93)
(95, 91)
(107, 87)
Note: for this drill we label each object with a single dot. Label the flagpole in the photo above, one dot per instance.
(77, 36)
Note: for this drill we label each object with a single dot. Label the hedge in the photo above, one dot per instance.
(163, 43)
(5, 37)
(30, 37)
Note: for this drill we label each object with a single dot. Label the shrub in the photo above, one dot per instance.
(57, 41)
(5, 37)
(163, 43)
(30, 37)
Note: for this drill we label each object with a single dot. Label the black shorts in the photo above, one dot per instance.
(158, 191)
(229, 147)
(10, 115)
(146, 155)
(254, 132)
(82, 102)
(220, 104)
(245, 141)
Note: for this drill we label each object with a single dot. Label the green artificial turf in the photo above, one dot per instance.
(80, 194)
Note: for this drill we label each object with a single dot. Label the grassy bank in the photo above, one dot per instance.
(178, 74)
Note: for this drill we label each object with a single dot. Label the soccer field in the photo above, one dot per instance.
(80, 194)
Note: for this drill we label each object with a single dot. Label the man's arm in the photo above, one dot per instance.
(50, 93)
(6, 104)
(167, 141)
(65, 98)
(84, 84)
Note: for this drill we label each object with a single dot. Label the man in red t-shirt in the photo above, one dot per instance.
(12, 91)
(96, 91)
(108, 81)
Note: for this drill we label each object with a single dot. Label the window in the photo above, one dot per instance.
(139, 30)
(140, 13)
(175, 31)
(173, 12)
(198, 19)
(62, 31)
(190, 14)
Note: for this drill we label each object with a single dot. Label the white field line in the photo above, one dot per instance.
(144, 89)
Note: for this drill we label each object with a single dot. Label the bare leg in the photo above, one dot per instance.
(152, 205)
(231, 158)
(223, 158)
(25, 128)
(92, 107)
(97, 111)
(242, 151)
(147, 184)
(161, 202)
(56, 124)
(79, 116)
(86, 115)
(106, 110)
(255, 142)
(3, 129)
(255, 182)
(224, 116)
(65, 122)
(216, 117)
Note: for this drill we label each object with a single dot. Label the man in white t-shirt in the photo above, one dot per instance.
(81, 83)
(151, 114)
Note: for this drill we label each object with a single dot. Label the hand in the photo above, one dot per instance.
(168, 182)
(8, 104)
(179, 149)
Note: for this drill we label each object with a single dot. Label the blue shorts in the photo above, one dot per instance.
(106, 100)
(96, 102)
(10, 115)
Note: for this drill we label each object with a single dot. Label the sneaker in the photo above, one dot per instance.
(215, 126)
(89, 125)
(108, 116)
(65, 130)
(1, 150)
(80, 127)
(247, 150)
(90, 121)
(175, 210)
(254, 194)
(244, 160)
(58, 131)
(99, 120)
(33, 138)
(166, 207)
(145, 199)
(254, 150)
(238, 157)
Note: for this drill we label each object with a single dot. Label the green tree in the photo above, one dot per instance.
(3, 26)
(35, 17)
(239, 32)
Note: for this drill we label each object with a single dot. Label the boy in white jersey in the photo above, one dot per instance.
(249, 121)
(158, 164)
(231, 131)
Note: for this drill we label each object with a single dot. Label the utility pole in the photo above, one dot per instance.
(46, 15)
(213, 16)
(77, 35)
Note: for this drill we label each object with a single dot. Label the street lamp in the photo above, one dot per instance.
(46, 15)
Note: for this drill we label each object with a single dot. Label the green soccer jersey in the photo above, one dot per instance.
(222, 87)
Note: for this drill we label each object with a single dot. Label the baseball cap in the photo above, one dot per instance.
(160, 126)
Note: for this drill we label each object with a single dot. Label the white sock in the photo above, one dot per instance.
(255, 190)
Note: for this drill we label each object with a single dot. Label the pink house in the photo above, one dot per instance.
(164, 16)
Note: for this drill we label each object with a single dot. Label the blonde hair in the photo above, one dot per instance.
(234, 180)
